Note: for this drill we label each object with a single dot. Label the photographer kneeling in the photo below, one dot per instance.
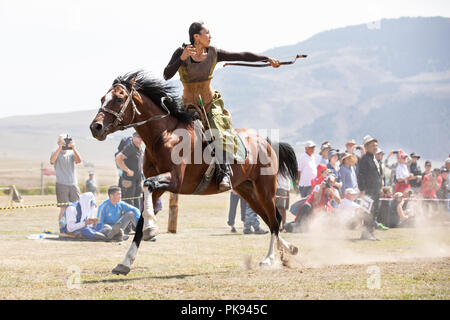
(319, 200)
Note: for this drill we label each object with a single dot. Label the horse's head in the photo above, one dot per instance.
(118, 110)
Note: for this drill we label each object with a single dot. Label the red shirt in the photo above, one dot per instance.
(427, 191)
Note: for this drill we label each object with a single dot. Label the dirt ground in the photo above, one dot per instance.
(205, 261)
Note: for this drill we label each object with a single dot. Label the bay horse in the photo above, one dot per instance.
(152, 108)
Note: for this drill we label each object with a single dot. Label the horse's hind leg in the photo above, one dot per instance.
(267, 197)
(247, 191)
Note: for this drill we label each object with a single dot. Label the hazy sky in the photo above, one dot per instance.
(59, 56)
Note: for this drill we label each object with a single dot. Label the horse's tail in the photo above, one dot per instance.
(287, 161)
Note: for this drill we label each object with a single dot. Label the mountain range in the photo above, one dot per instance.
(389, 79)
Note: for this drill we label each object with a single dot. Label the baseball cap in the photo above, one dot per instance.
(444, 169)
(414, 155)
(447, 160)
(309, 144)
(403, 156)
(380, 151)
(428, 163)
(351, 191)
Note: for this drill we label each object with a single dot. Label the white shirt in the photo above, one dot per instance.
(87, 211)
(308, 169)
(402, 171)
(346, 210)
(283, 182)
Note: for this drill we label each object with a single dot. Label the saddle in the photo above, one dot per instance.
(214, 169)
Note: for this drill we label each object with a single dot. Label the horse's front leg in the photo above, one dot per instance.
(169, 181)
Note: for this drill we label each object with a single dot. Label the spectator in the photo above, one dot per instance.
(427, 170)
(78, 219)
(234, 200)
(322, 173)
(130, 161)
(349, 212)
(402, 174)
(318, 200)
(251, 223)
(447, 166)
(347, 172)
(282, 195)
(383, 209)
(351, 148)
(393, 166)
(91, 184)
(398, 217)
(64, 159)
(121, 216)
(333, 165)
(442, 192)
(369, 182)
(416, 172)
(430, 184)
(379, 156)
(322, 158)
(307, 169)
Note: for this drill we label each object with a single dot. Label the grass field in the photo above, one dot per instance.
(205, 261)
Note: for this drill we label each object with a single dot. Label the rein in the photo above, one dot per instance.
(119, 115)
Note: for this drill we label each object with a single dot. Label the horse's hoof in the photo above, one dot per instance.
(149, 233)
(267, 262)
(293, 250)
(121, 269)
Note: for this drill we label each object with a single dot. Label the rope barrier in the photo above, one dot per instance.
(52, 204)
(444, 200)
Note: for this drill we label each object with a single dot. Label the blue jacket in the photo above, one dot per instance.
(109, 213)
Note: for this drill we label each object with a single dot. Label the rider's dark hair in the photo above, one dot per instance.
(195, 28)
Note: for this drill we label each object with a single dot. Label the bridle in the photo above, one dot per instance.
(119, 115)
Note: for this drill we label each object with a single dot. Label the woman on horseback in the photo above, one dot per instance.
(195, 64)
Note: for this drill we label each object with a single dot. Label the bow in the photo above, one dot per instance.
(258, 65)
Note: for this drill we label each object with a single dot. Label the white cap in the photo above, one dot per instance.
(447, 160)
(309, 144)
(351, 191)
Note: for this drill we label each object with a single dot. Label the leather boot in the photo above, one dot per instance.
(225, 183)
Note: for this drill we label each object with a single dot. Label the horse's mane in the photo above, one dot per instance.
(156, 89)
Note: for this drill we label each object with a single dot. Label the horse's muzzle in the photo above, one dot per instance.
(98, 131)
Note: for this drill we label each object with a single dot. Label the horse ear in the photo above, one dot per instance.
(133, 81)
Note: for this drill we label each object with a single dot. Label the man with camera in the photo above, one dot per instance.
(320, 199)
(64, 159)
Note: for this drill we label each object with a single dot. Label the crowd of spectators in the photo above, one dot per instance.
(379, 193)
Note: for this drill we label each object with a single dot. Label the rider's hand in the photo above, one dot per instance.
(274, 62)
(130, 173)
(189, 51)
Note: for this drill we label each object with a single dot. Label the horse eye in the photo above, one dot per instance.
(119, 100)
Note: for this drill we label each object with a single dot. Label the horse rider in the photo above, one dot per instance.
(195, 64)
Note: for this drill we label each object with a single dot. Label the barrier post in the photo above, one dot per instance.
(42, 178)
(173, 213)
